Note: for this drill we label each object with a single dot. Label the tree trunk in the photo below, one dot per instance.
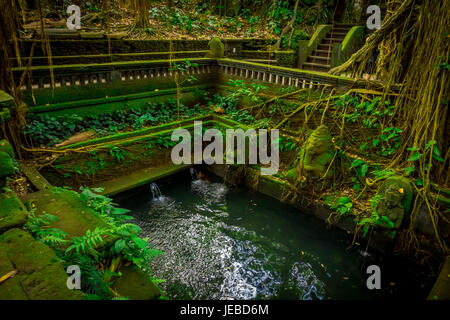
(141, 8)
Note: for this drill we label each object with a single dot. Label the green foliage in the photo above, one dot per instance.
(183, 68)
(230, 105)
(129, 244)
(390, 141)
(164, 141)
(89, 242)
(287, 144)
(117, 153)
(90, 251)
(343, 205)
(430, 145)
(49, 131)
(241, 89)
(374, 218)
(383, 173)
(38, 225)
(360, 166)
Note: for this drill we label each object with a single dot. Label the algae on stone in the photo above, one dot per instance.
(314, 157)
(6, 147)
(40, 274)
(396, 199)
(7, 166)
(216, 48)
(12, 211)
(135, 284)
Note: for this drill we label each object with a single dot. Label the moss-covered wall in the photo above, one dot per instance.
(105, 58)
(100, 46)
(352, 42)
(47, 97)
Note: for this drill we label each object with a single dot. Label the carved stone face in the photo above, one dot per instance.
(391, 205)
(317, 155)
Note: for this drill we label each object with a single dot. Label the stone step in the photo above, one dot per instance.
(39, 274)
(135, 285)
(343, 25)
(319, 60)
(74, 217)
(316, 67)
(12, 212)
(341, 29)
(323, 46)
(331, 40)
(338, 34)
(322, 53)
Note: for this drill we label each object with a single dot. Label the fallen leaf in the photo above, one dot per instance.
(8, 275)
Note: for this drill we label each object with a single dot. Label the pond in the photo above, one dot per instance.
(226, 242)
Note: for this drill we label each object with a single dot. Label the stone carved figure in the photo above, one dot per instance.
(396, 199)
(314, 157)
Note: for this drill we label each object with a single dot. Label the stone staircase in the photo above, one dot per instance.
(320, 60)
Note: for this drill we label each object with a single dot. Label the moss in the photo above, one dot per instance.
(395, 200)
(4, 115)
(356, 33)
(138, 178)
(216, 48)
(135, 285)
(112, 103)
(286, 58)
(11, 289)
(318, 35)
(399, 182)
(6, 147)
(7, 166)
(316, 154)
(352, 42)
(74, 216)
(12, 211)
(291, 175)
(6, 100)
(24, 252)
(344, 80)
(40, 275)
(49, 284)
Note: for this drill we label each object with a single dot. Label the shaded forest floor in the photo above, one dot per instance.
(189, 22)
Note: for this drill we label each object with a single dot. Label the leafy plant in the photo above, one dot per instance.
(343, 205)
(374, 218)
(117, 153)
(360, 166)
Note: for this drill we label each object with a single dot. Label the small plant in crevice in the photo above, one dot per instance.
(342, 205)
(117, 153)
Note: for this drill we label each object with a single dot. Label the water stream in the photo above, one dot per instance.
(221, 242)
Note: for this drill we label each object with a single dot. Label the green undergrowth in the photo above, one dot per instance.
(48, 130)
(99, 263)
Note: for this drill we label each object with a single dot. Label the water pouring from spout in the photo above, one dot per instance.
(156, 192)
(194, 174)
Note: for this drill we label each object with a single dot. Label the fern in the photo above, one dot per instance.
(38, 226)
(88, 243)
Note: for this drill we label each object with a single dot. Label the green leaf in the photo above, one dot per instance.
(409, 170)
(343, 200)
(375, 142)
(356, 163)
(415, 156)
(119, 245)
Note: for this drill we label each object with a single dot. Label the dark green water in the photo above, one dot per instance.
(221, 242)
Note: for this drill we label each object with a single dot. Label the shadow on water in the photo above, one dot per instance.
(224, 242)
